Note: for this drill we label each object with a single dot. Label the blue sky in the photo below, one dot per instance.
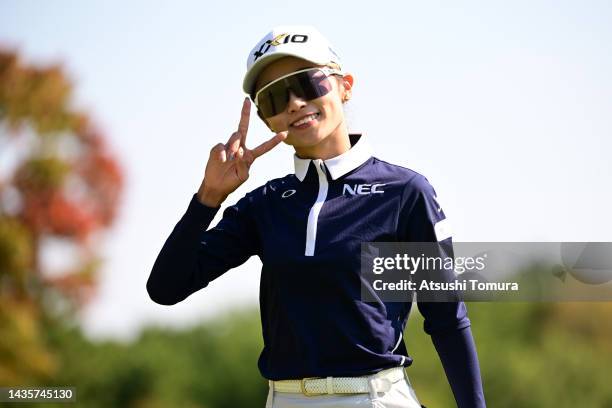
(504, 106)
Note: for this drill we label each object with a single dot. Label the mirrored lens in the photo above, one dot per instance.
(307, 85)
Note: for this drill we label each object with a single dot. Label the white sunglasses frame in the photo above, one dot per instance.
(326, 70)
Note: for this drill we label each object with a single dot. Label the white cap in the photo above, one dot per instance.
(300, 41)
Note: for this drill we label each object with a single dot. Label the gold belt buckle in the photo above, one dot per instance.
(303, 387)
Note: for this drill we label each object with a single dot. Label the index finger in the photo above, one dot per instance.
(269, 144)
(243, 125)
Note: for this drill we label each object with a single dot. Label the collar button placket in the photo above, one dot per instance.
(313, 216)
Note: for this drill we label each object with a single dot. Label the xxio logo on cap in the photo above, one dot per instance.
(278, 40)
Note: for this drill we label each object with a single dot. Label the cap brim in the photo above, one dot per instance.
(252, 74)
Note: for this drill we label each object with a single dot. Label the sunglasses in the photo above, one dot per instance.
(307, 84)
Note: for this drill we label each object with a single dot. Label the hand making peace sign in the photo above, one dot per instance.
(229, 163)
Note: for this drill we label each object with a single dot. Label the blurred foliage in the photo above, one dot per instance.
(531, 355)
(212, 365)
(58, 180)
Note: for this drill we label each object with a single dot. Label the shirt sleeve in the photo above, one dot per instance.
(423, 220)
(193, 256)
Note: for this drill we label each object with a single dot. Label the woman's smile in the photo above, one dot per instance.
(305, 121)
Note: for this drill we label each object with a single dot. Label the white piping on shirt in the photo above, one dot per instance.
(395, 348)
(313, 216)
(398, 342)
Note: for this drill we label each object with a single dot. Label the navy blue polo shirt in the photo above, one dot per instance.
(307, 229)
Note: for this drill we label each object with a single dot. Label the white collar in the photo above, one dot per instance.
(340, 165)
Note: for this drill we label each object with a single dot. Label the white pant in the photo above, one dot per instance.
(401, 395)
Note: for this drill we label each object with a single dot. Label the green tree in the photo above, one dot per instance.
(58, 183)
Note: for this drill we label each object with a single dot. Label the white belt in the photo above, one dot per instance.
(379, 382)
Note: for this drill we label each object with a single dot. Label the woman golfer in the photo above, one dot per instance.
(323, 345)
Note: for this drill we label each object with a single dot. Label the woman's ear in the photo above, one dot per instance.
(347, 86)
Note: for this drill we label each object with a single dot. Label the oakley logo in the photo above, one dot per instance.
(278, 40)
(288, 193)
(362, 189)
